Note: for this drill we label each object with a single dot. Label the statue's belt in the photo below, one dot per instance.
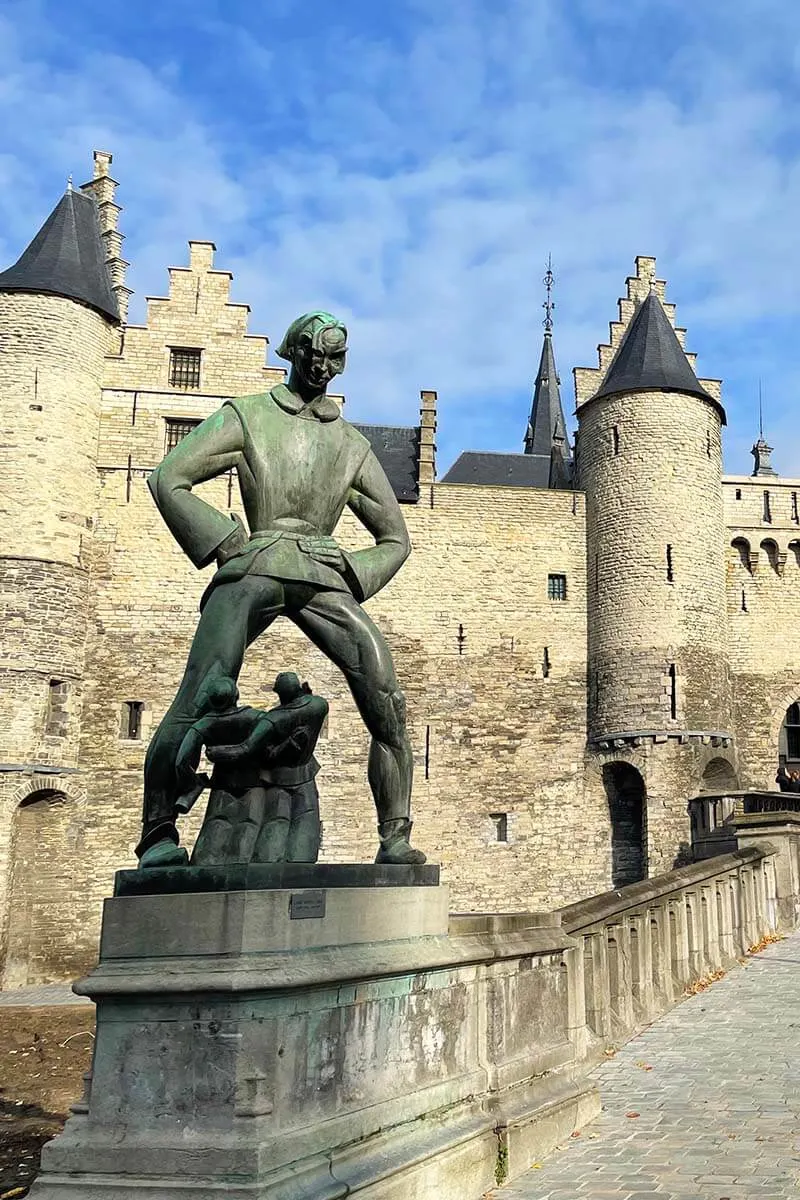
(304, 540)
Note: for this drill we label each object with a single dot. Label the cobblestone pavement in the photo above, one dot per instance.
(718, 1114)
(36, 997)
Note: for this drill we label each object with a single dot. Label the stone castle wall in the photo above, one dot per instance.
(651, 465)
(52, 356)
(495, 671)
(763, 593)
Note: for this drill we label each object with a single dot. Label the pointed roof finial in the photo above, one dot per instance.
(549, 304)
(762, 450)
(69, 183)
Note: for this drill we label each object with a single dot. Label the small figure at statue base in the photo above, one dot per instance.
(264, 804)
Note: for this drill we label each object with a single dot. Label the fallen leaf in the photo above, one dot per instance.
(632, 1114)
(577, 1133)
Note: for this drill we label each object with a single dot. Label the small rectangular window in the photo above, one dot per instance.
(184, 367)
(177, 431)
(767, 509)
(708, 443)
(427, 751)
(556, 587)
(615, 438)
(738, 493)
(56, 717)
(546, 663)
(673, 692)
(795, 515)
(670, 568)
(500, 826)
(132, 720)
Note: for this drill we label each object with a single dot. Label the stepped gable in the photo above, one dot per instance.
(651, 359)
(66, 258)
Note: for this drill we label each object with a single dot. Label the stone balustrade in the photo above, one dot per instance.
(641, 947)
(713, 817)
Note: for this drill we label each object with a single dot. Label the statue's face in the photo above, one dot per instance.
(320, 355)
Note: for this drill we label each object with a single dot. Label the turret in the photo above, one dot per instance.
(59, 318)
(649, 458)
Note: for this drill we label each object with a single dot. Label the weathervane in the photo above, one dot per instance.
(548, 305)
(760, 414)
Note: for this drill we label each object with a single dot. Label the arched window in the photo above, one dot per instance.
(742, 548)
(719, 777)
(625, 791)
(789, 743)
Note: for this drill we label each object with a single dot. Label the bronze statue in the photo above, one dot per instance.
(264, 803)
(299, 465)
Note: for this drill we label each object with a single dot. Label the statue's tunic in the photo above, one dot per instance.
(298, 466)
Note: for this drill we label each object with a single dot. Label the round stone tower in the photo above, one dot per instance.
(59, 317)
(649, 457)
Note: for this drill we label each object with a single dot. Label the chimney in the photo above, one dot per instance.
(427, 438)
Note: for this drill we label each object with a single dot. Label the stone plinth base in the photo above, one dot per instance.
(310, 1043)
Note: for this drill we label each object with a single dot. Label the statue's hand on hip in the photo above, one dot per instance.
(234, 543)
(324, 550)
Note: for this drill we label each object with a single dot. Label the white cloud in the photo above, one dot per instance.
(417, 184)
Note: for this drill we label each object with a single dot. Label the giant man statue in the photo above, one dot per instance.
(299, 464)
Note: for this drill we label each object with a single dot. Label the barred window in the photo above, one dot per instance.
(556, 587)
(177, 431)
(131, 725)
(184, 367)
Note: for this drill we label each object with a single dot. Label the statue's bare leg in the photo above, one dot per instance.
(233, 616)
(340, 627)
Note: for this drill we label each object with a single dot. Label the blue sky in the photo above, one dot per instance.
(410, 164)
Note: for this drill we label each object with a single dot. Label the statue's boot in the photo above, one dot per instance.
(395, 846)
(164, 854)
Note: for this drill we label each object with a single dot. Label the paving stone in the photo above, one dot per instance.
(719, 1111)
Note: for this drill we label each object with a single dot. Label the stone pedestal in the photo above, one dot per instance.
(320, 1032)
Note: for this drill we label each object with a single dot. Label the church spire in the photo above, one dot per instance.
(547, 430)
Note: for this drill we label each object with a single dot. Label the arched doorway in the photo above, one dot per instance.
(789, 738)
(719, 777)
(41, 935)
(625, 791)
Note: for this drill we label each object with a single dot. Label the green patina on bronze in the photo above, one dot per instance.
(299, 464)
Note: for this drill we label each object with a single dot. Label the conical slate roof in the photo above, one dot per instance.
(546, 421)
(66, 258)
(651, 359)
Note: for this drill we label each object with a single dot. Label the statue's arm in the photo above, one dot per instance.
(214, 447)
(247, 748)
(375, 504)
(189, 752)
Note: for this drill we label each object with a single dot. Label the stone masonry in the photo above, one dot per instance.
(519, 703)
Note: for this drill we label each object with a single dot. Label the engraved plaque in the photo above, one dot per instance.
(305, 905)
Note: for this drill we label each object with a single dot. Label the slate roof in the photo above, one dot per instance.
(397, 450)
(546, 423)
(651, 359)
(66, 258)
(500, 470)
